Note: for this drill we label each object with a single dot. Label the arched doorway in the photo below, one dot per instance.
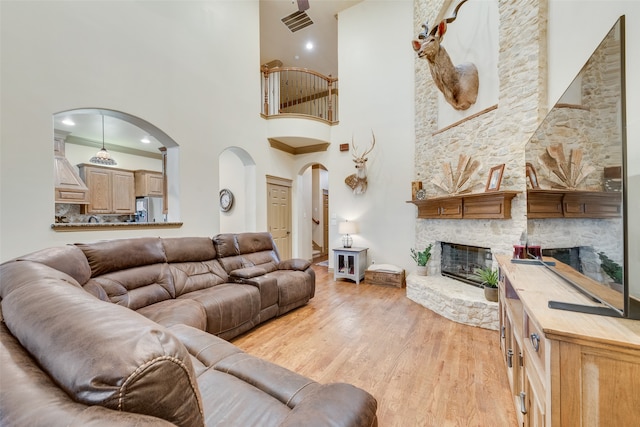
(237, 174)
(314, 217)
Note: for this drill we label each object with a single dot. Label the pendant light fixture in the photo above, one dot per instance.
(103, 157)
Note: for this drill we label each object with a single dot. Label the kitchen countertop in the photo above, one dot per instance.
(112, 225)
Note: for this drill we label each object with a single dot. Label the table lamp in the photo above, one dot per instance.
(346, 228)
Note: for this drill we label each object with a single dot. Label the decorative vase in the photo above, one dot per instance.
(422, 270)
(491, 294)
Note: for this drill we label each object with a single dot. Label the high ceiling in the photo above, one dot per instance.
(277, 42)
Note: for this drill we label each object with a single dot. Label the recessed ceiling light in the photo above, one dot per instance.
(68, 122)
(145, 140)
(309, 46)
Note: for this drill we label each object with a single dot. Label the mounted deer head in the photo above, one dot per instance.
(358, 180)
(459, 84)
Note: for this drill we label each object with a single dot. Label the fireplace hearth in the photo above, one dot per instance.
(461, 262)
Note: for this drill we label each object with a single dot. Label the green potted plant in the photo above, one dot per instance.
(489, 277)
(422, 258)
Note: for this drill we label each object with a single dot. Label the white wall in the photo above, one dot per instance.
(376, 93)
(170, 63)
(232, 177)
(575, 30)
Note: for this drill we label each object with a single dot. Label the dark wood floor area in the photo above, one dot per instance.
(423, 369)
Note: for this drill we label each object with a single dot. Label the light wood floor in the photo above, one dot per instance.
(423, 369)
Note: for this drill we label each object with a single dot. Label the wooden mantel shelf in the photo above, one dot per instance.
(573, 204)
(490, 205)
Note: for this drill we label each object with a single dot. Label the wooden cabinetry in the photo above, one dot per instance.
(490, 205)
(111, 191)
(149, 183)
(573, 204)
(565, 368)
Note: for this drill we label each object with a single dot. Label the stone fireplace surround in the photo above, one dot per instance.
(451, 298)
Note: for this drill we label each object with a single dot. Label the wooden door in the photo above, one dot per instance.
(325, 222)
(279, 216)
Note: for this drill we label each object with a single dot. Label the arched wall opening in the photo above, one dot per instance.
(312, 201)
(237, 173)
(136, 144)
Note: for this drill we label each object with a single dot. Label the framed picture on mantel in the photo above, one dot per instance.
(495, 178)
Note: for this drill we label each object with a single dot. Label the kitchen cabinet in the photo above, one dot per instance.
(149, 183)
(111, 190)
(565, 368)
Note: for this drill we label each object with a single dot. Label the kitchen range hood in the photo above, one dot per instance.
(69, 187)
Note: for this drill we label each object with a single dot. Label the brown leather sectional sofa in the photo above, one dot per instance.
(132, 332)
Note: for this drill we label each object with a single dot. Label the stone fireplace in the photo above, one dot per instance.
(462, 261)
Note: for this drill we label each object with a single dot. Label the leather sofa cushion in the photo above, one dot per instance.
(104, 354)
(194, 276)
(136, 287)
(69, 259)
(226, 245)
(17, 274)
(248, 272)
(294, 264)
(175, 312)
(228, 306)
(189, 249)
(120, 254)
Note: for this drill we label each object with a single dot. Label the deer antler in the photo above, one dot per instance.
(449, 20)
(355, 149)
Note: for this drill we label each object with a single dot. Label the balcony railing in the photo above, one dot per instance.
(299, 91)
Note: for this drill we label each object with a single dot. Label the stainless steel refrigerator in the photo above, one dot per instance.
(149, 209)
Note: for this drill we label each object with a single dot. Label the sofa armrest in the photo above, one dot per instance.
(247, 273)
(335, 404)
(298, 264)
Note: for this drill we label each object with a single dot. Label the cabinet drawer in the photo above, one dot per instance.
(535, 341)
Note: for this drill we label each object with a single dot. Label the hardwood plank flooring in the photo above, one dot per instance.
(423, 369)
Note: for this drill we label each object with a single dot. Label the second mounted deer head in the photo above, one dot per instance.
(459, 84)
(358, 181)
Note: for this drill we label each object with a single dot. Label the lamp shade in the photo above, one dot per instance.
(347, 227)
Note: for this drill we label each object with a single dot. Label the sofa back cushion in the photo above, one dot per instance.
(120, 254)
(238, 251)
(135, 287)
(187, 249)
(103, 354)
(193, 264)
(259, 249)
(68, 259)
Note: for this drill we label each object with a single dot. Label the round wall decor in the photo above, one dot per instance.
(226, 200)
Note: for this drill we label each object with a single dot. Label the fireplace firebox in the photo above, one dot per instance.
(461, 262)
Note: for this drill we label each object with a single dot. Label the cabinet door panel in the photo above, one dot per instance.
(99, 183)
(123, 192)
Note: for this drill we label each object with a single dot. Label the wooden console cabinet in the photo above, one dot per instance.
(565, 368)
(490, 205)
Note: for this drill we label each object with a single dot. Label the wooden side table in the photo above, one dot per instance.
(349, 263)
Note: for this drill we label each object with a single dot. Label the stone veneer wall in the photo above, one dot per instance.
(595, 128)
(495, 137)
